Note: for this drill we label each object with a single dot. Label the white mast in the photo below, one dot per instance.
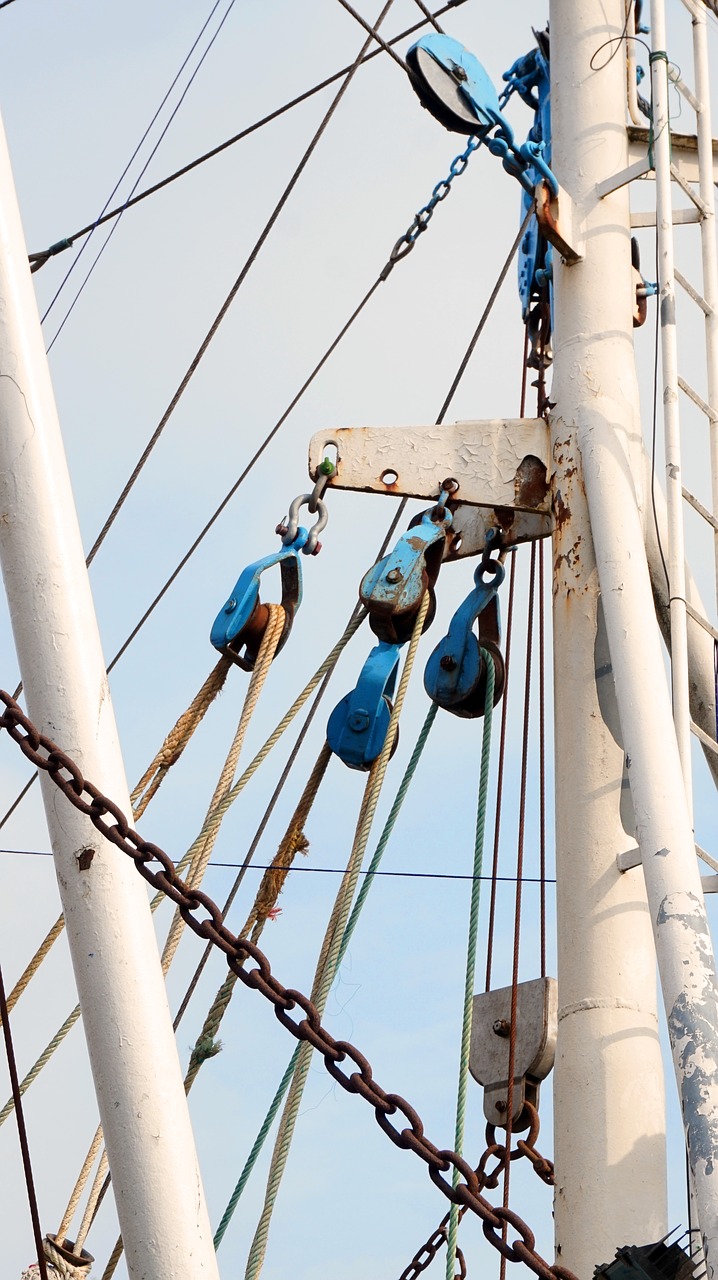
(608, 1082)
(134, 1061)
(594, 388)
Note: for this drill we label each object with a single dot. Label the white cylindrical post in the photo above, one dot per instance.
(675, 551)
(608, 1079)
(133, 1056)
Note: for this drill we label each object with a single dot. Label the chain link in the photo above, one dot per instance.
(406, 243)
(525, 1147)
(205, 919)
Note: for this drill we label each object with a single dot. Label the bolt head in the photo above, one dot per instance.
(230, 606)
(501, 1107)
(501, 1027)
(394, 575)
(447, 663)
(358, 721)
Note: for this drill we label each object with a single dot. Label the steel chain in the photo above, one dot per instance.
(406, 243)
(525, 1147)
(87, 798)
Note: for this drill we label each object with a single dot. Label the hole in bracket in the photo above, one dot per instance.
(389, 476)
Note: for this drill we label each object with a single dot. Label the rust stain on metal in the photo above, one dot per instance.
(530, 482)
(561, 510)
(84, 858)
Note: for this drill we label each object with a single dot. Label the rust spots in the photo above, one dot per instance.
(84, 858)
(530, 482)
(561, 510)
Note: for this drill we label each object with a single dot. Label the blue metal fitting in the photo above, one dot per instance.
(455, 675)
(358, 725)
(394, 587)
(242, 621)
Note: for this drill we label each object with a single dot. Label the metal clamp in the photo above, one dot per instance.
(290, 528)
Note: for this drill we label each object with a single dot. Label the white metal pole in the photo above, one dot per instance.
(133, 1056)
(709, 251)
(675, 550)
(608, 1079)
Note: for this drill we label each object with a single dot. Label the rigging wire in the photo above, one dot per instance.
(22, 1132)
(38, 259)
(373, 33)
(89, 230)
(332, 871)
(144, 169)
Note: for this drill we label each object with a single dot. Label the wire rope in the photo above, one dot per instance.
(91, 228)
(471, 949)
(371, 872)
(143, 171)
(38, 259)
(22, 1133)
(329, 956)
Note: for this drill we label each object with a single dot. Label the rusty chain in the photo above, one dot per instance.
(525, 1147)
(90, 801)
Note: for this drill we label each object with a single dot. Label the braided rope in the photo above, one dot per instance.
(200, 851)
(329, 956)
(178, 738)
(76, 1196)
(351, 925)
(471, 951)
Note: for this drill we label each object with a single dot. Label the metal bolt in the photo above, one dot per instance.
(358, 721)
(447, 663)
(230, 606)
(394, 575)
(501, 1107)
(501, 1027)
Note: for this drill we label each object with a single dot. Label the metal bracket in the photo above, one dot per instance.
(502, 462)
(535, 1049)
(558, 219)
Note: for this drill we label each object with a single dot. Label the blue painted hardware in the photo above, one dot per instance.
(394, 587)
(455, 675)
(452, 84)
(241, 623)
(392, 592)
(358, 724)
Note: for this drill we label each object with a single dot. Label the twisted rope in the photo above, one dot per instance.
(329, 957)
(351, 925)
(471, 952)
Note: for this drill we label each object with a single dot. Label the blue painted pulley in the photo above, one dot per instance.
(452, 84)
(358, 725)
(393, 589)
(455, 675)
(240, 624)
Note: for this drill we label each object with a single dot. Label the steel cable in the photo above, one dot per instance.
(40, 257)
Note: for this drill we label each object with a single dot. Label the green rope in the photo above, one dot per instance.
(351, 925)
(42, 1061)
(471, 954)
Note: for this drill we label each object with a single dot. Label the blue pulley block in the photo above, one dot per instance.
(242, 621)
(358, 725)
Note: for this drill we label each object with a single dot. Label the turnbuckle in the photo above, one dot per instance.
(393, 589)
(358, 725)
(455, 675)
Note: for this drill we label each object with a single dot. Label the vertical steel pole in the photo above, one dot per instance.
(709, 251)
(608, 1081)
(134, 1061)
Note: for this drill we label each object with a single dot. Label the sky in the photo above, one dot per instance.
(79, 84)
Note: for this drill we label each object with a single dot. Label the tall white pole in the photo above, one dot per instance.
(608, 1079)
(675, 551)
(596, 398)
(156, 1180)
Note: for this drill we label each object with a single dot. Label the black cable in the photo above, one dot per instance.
(327, 871)
(89, 230)
(5, 3)
(230, 299)
(39, 258)
(142, 172)
(373, 33)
